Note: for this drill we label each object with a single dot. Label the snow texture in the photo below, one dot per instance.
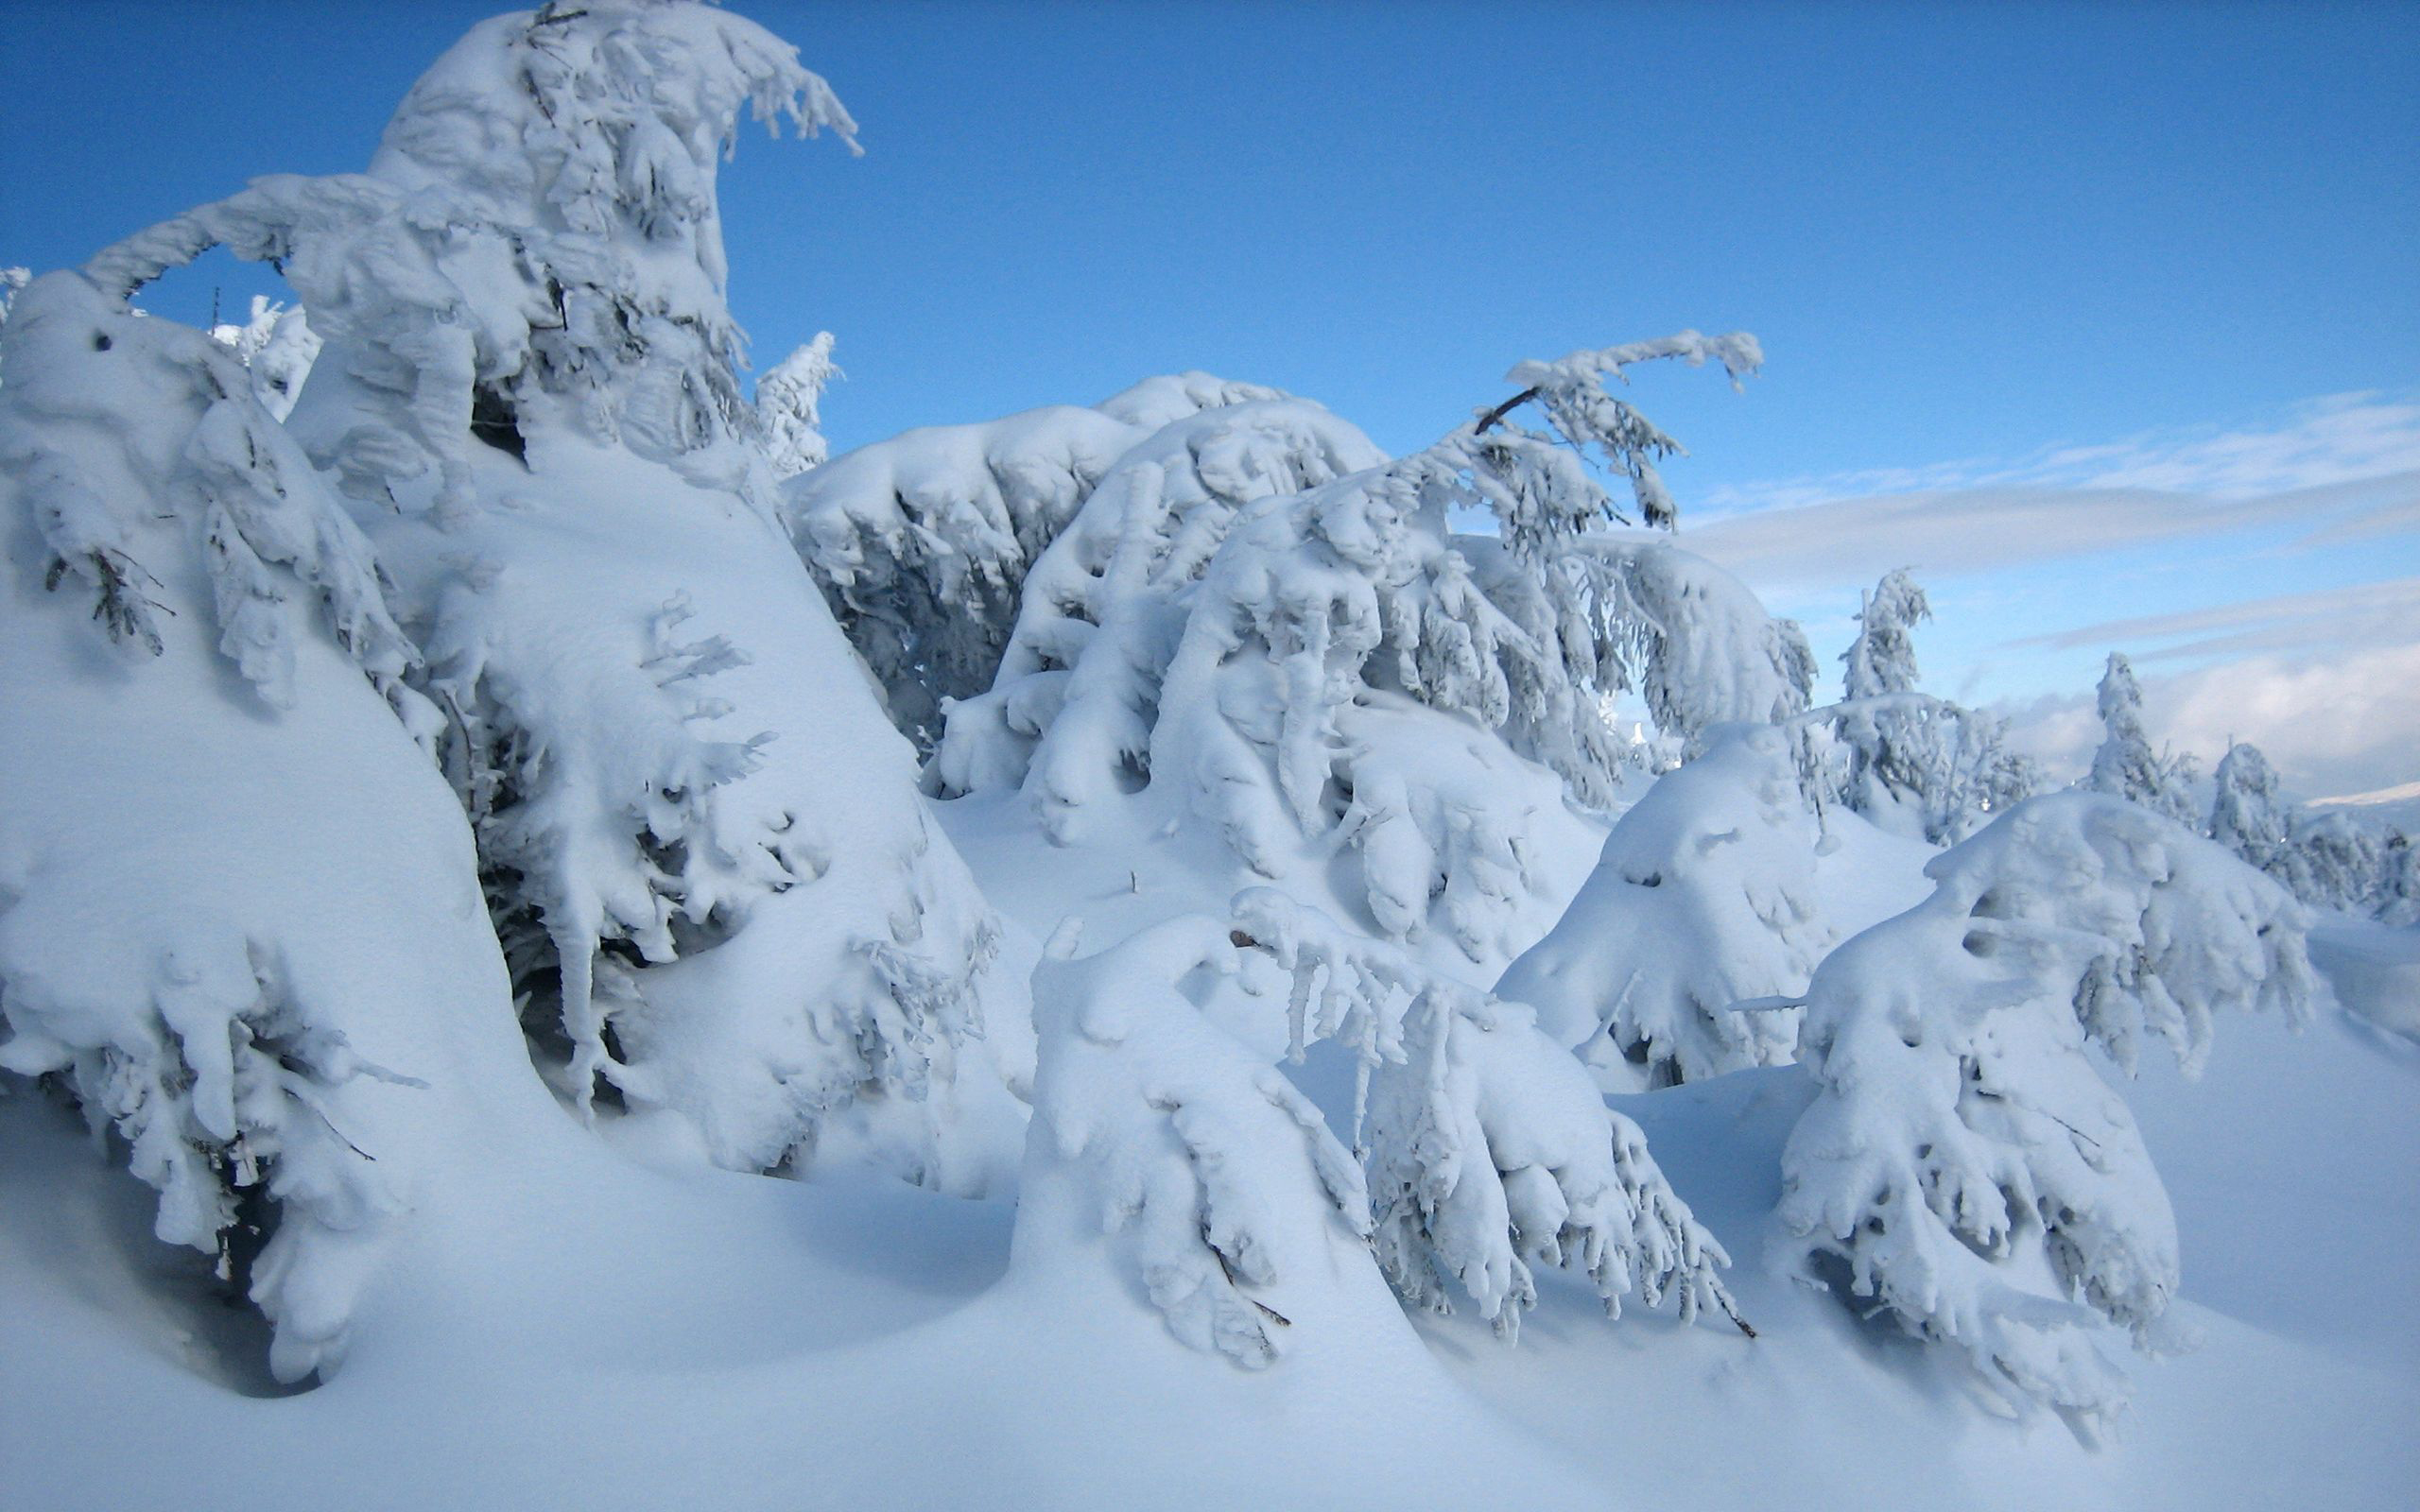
(1964, 1165)
(1238, 629)
(923, 543)
(529, 392)
(1705, 900)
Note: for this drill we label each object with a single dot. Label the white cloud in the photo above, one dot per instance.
(2336, 725)
(2384, 613)
(2346, 468)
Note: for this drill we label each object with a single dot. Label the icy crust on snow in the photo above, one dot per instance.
(924, 542)
(1705, 899)
(1218, 1185)
(1964, 1164)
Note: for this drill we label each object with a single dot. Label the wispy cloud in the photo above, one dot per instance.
(2357, 614)
(2345, 468)
(2332, 725)
(2322, 679)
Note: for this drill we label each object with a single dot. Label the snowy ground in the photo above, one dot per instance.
(693, 1336)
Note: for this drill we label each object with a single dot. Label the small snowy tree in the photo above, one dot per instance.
(1225, 1195)
(2334, 861)
(2398, 893)
(1703, 899)
(789, 407)
(1964, 1165)
(11, 280)
(1487, 1148)
(1910, 762)
(1882, 659)
(2125, 765)
(277, 346)
(1218, 1185)
(211, 1020)
(2245, 814)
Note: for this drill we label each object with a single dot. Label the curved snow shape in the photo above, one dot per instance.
(1216, 1185)
(1705, 899)
(1486, 1145)
(1962, 1149)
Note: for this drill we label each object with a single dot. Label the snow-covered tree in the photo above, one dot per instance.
(1964, 1167)
(187, 943)
(2398, 893)
(1485, 1145)
(923, 543)
(789, 407)
(702, 844)
(277, 344)
(2334, 861)
(2245, 814)
(1220, 1186)
(11, 280)
(1225, 1195)
(1910, 762)
(1882, 659)
(1290, 670)
(1704, 898)
(2125, 765)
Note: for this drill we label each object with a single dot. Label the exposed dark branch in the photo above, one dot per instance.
(1503, 410)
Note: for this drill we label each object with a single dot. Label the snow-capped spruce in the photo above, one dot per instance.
(1293, 668)
(789, 407)
(1217, 1184)
(2125, 765)
(277, 344)
(188, 940)
(1912, 764)
(923, 543)
(1963, 1165)
(2244, 813)
(1704, 898)
(530, 389)
(1486, 1145)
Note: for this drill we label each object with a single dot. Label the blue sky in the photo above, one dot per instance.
(2062, 302)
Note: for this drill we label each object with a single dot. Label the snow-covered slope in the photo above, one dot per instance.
(460, 890)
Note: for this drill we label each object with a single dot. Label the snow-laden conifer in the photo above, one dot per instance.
(1703, 899)
(1487, 1148)
(2335, 861)
(1912, 764)
(277, 344)
(2244, 813)
(1217, 1185)
(923, 543)
(1964, 1167)
(789, 407)
(2125, 765)
(1306, 672)
(1223, 1194)
(157, 954)
(529, 389)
